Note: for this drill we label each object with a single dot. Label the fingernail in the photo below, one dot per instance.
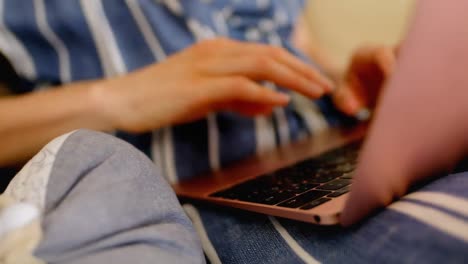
(363, 114)
(315, 89)
(352, 105)
(329, 85)
(331, 89)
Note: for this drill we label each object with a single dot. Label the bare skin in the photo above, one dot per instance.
(416, 102)
(420, 123)
(215, 75)
(419, 97)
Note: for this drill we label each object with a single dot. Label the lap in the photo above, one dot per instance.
(104, 200)
(430, 226)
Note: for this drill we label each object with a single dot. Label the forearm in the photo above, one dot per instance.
(29, 121)
(210, 76)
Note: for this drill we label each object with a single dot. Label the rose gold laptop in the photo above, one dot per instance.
(307, 181)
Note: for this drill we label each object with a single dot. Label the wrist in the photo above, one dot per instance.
(104, 104)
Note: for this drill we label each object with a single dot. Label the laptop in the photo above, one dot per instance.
(307, 181)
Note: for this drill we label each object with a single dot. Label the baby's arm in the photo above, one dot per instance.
(420, 126)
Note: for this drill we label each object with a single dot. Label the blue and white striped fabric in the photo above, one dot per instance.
(428, 226)
(56, 41)
(61, 41)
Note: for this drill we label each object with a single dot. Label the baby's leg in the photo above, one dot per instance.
(105, 202)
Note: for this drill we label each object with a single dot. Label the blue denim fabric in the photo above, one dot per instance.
(105, 201)
(386, 237)
(238, 237)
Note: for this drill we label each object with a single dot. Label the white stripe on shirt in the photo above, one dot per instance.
(14, 50)
(264, 130)
(104, 39)
(283, 127)
(264, 134)
(54, 40)
(146, 30)
(174, 6)
(313, 117)
(279, 112)
(219, 20)
(281, 120)
(169, 157)
(162, 141)
(202, 32)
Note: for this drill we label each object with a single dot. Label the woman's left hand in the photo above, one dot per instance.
(362, 83)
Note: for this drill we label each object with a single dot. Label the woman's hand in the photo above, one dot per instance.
(362, 83)
(214, 75)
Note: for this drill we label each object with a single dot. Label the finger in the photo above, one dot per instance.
(346, 100)
(256, 59)
(262, 68)
(363, 56)
(286, 58)
(386, 60)
(367, 56)
(369, 68)
(236, 88)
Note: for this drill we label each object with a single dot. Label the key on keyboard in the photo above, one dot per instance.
(302, 184)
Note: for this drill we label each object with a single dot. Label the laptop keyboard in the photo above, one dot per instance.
(304, 185)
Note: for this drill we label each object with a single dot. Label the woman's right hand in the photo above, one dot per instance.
(213, 75)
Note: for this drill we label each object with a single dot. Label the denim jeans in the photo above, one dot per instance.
(412, 230)
(106, 202)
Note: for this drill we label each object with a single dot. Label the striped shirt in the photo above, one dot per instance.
(60, 41)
